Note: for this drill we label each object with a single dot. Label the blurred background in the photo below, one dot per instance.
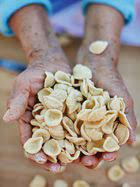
(17, 171)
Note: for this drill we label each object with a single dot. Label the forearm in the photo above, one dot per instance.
(104, 23)
(34, 31)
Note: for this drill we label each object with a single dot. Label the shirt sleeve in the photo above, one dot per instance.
(9, 7)
(125, 7)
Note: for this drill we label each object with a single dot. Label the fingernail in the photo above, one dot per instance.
(6, 116)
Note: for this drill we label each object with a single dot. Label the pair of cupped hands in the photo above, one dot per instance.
(30, 81)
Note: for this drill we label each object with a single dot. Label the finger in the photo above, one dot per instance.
(17, 107)
(109, 156)
(54, 168)
(26, 117)
(90, 161)
(32, 100)
(39, 157)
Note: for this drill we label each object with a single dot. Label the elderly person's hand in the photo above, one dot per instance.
(43, 54)
(101, 25)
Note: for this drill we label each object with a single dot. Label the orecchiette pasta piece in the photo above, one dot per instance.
(38, 181)
(69, 146)
(42, 133)
(94, 134)
(122, 133)
(76, 140)
(83, 114)
(115, 173)
(98, 47)
(52, 159)
(69, 126)
(108, 128)
(93, 90)
(37, 109)
(59, 94)
(63, 78)
(61, 87)
(84, 88)
(130, 164)
(53, 103)
(33, 145)
(95, 146)
(80, 183)
(106, 96)
(49, 80)
(97, 115)
(39, 118)
(123, 119)
(34, 122)
(77, 125)
(72, 116)
(52, 148)
(80, 148)
(34, 129)
(109, 117)
(81, 72)
(60, 183)
(84, 134)
(53, 117)
(110, 144)
(61, 143)
(44, 92)
(57, 132)
(75, 82)
(90, 104)
(93, 125)
(117, 104)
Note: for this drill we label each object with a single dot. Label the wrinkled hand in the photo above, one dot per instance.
(23, 98)
(106, 76)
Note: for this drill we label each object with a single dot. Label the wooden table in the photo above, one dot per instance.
(17, 171)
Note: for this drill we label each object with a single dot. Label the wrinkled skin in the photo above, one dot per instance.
(44, 54)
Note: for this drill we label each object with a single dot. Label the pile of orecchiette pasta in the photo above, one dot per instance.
(73, 117)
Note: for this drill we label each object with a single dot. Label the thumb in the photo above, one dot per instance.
(17, 106)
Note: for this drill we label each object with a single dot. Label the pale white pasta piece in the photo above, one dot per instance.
(75, 82)
(117, 104)
(130, 164)
(63, 78)
(108, 128)
(52, 148)
(49, 80)
(33, 145)
(109, 118)
(52, 159)
(84, 151)
(122, 134)
(42, 133)
(80, 183)
(60, 183)
(95, 146)
(59, 94)
(76, 140)
(34, 129)
(57, 132)
(84, 134)
(61, 143)
(37, 109)
(34, 122)
(93, 90)
(72, 116)
(90, 104)
(97, 115)
(61, 87)
(83, 114)
(39, 118)
(98, 47)
(106, 96)
(53, 117)
(38, 181)
(53, 103)
(84, 88)
(69, 126)
(115, 173)
(93, 125)
(65, 157)
(77, 125)
(125, 185)
(81, 72)
(123, 119)
(94, 134)
(44, 92)
(69, 146)
(110, 144)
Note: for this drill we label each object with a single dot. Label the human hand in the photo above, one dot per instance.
(23, 98)
(106, 76)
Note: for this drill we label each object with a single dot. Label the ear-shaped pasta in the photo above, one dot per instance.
(76, 140)
(110, 144)
(63, 78)
(37, 109)
(69, 146)
(59, 94)
(52, 159)
(49, 80)
(81, 72)
(94, 134)
(34, 129)
(117, 104)
(72, 116)
(106, 96)
(84, 134)
(90, 104)
(52, 148)
(61, 87)
(108, 128)
(84, 88)
(77, 126)
(42, 133)
(57, 132)
(84, 151)
(98, 47)
(53, 117)
(80, 183)
(44, 92)
(65, 157)
(34, 122)
(95, 146)
(39, 118)
(53, 103)
(75, 82)
(115, 173)
(69, 126)
(123, 119)
(93, 90)
(122, 134)
(33, 145)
